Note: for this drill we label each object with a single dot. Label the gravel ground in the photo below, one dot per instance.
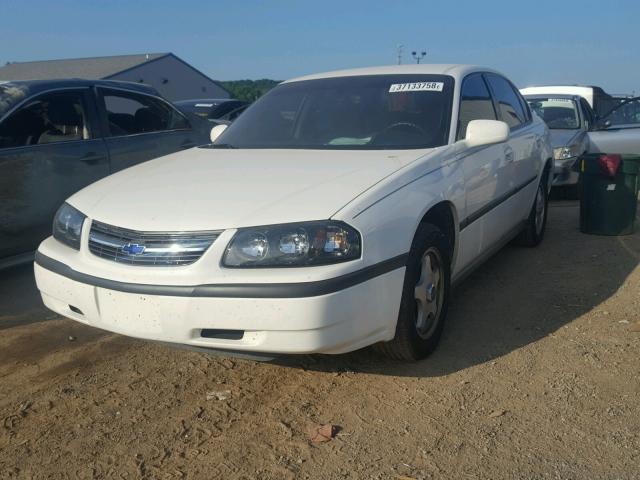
(537, 377)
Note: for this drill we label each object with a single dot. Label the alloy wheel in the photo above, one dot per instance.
(429, 293)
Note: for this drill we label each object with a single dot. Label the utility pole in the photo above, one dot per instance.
(399, 48)
(420, 57)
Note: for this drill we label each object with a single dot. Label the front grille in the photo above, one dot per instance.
(148, 248)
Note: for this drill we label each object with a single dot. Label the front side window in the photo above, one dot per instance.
(627, 114)
(557, 113)
(359, 112)
(475, 103)
(48, 118)
(131, 113)
(589, 115)
(510, 109)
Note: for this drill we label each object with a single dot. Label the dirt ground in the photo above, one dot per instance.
(537, 377)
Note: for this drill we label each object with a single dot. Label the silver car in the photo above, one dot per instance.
(569, 118)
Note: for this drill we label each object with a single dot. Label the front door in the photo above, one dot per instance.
(481, 167)
(48, 151)
(522, 162)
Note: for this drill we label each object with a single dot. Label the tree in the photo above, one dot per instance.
(249, 90)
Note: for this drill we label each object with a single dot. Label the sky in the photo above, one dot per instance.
(537, 42)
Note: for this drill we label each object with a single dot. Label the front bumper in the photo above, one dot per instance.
(327, 316)
(564, 173)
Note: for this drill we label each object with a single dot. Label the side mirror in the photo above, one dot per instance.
(600, 124)
(216, 132)
(486, 132)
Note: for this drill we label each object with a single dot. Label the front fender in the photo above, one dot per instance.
(389, 214)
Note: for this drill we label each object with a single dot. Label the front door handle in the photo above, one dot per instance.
(508, 154)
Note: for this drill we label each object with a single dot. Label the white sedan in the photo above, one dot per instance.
(335, 213)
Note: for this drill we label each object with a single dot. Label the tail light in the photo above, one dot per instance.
(610, 164)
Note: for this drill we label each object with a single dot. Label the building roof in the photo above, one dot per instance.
(92, 68)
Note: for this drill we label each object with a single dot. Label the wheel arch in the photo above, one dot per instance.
(444, 216)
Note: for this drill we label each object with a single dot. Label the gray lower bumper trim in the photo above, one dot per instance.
(231, 290)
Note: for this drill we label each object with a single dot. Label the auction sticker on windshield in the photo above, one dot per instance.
(416, 87)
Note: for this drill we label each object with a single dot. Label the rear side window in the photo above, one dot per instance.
(475, 103)
(48, 118)
(130, 113)
(510, 108)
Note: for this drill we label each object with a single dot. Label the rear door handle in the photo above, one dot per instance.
(92, 158)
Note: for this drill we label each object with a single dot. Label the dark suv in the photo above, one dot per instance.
(57, 136)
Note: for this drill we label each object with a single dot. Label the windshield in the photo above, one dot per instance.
(363, 113)
(10, 95)
(557, 113)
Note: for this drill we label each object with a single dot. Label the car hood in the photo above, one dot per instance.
(563, 138)
(204, 188)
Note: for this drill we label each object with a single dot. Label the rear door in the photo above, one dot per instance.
(522, 153)
(618, 131)
(49, 149)
(140, 127)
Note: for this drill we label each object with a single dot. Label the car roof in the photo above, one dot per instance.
(36, 86)
(13, 93)
(457, 71)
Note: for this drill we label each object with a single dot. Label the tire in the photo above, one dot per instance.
(422, 310)
(533, 232)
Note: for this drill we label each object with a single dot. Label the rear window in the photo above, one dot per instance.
(511, 110)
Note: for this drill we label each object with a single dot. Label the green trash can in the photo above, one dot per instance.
(608, 193)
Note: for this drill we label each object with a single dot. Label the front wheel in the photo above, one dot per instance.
(425, 297)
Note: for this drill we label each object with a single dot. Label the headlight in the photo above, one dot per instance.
(67, 226)
(565, 153)
(293, 245)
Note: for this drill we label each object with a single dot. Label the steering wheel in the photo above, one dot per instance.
(408, 126)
